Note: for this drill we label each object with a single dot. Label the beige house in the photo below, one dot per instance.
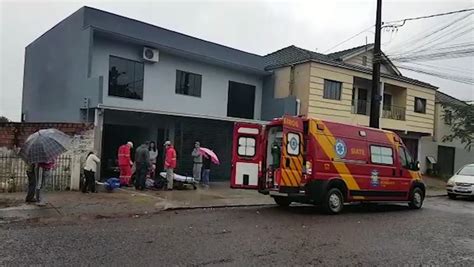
(337, 87)
(449, 156)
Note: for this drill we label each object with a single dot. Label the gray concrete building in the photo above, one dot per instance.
(438, 156)
(140, 82)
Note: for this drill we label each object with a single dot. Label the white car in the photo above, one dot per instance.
(462, 182)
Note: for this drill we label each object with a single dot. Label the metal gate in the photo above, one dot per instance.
(13, 176)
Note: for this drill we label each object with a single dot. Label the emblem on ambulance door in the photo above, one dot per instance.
(293, 143)
(340, 148)
(374, 178)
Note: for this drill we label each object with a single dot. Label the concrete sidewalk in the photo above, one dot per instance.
(127, 202)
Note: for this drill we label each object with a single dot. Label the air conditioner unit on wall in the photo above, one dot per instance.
(151, 55)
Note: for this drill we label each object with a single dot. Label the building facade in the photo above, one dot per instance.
(438, 157)
(93, 67)
(137, 82)
(337, 87)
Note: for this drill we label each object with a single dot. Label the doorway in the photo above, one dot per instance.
(446, 160)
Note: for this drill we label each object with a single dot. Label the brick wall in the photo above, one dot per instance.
(14, 134)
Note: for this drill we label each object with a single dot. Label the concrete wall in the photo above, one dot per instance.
(298, 81)
(55, 73)
(429, 145)
(160, 80)
(275, 107)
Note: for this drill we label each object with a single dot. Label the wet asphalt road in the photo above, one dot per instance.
(441, 233)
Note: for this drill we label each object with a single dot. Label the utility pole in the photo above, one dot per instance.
(376, 97)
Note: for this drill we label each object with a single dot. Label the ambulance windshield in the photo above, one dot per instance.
(275, 139)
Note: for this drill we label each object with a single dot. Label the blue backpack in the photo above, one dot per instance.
(112, 183)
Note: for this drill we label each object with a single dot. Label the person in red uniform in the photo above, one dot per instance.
(170, 164)
(125, 163)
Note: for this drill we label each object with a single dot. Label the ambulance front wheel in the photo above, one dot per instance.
(416, 198)
(333, 201)
(282, 201)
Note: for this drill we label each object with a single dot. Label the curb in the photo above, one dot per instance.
(217, 207)
(438, 195)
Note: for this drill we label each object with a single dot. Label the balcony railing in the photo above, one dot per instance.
(390, 112)
(393, 112)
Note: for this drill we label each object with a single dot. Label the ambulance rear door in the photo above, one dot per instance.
(292, 152)
(246, 155)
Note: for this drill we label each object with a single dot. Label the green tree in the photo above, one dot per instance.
(4, 119)
(461, 118)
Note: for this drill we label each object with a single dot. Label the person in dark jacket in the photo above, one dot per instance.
(206, 170)
(30, 173)
(142, 164)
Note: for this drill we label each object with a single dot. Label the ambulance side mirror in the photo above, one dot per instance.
(415, 166)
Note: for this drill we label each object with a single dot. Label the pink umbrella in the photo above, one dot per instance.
(209, 153)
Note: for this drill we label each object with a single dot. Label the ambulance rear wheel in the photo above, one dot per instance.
(333, 201)
(282, 201)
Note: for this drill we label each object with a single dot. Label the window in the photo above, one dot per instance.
(246, 146)
(293, 144)
(381, 155)
(241, 100)
(387, 102)
(188, 83)
(125, 78)
(405, 158)
(420, 105)
(448, 117)
(332, 90)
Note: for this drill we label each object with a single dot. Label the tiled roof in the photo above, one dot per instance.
(290, 55)
(441, 97)
(342, 53)
(293, 55)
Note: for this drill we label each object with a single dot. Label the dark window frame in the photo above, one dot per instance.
(141, 81)
(191, 91)
(423, 101)
(384, 106)
(328, 94)
(381, 163)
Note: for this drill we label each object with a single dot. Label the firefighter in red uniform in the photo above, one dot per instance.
(125, 163)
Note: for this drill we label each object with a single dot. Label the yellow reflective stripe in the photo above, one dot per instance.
(327, 141)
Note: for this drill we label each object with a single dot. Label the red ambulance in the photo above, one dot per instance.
(308, 160)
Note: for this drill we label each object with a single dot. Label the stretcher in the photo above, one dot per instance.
(180, 180)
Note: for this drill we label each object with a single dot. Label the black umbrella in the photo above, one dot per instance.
(45, 146)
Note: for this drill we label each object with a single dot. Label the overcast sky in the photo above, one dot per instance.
(259, 27)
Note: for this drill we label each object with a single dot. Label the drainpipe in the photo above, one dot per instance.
(298, 106)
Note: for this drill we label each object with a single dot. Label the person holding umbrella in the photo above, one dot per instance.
(41, 150)
(208, 157)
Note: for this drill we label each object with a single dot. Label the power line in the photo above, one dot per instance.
(350, 38)
(422, 39)
(456, 78)
(431, 16)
